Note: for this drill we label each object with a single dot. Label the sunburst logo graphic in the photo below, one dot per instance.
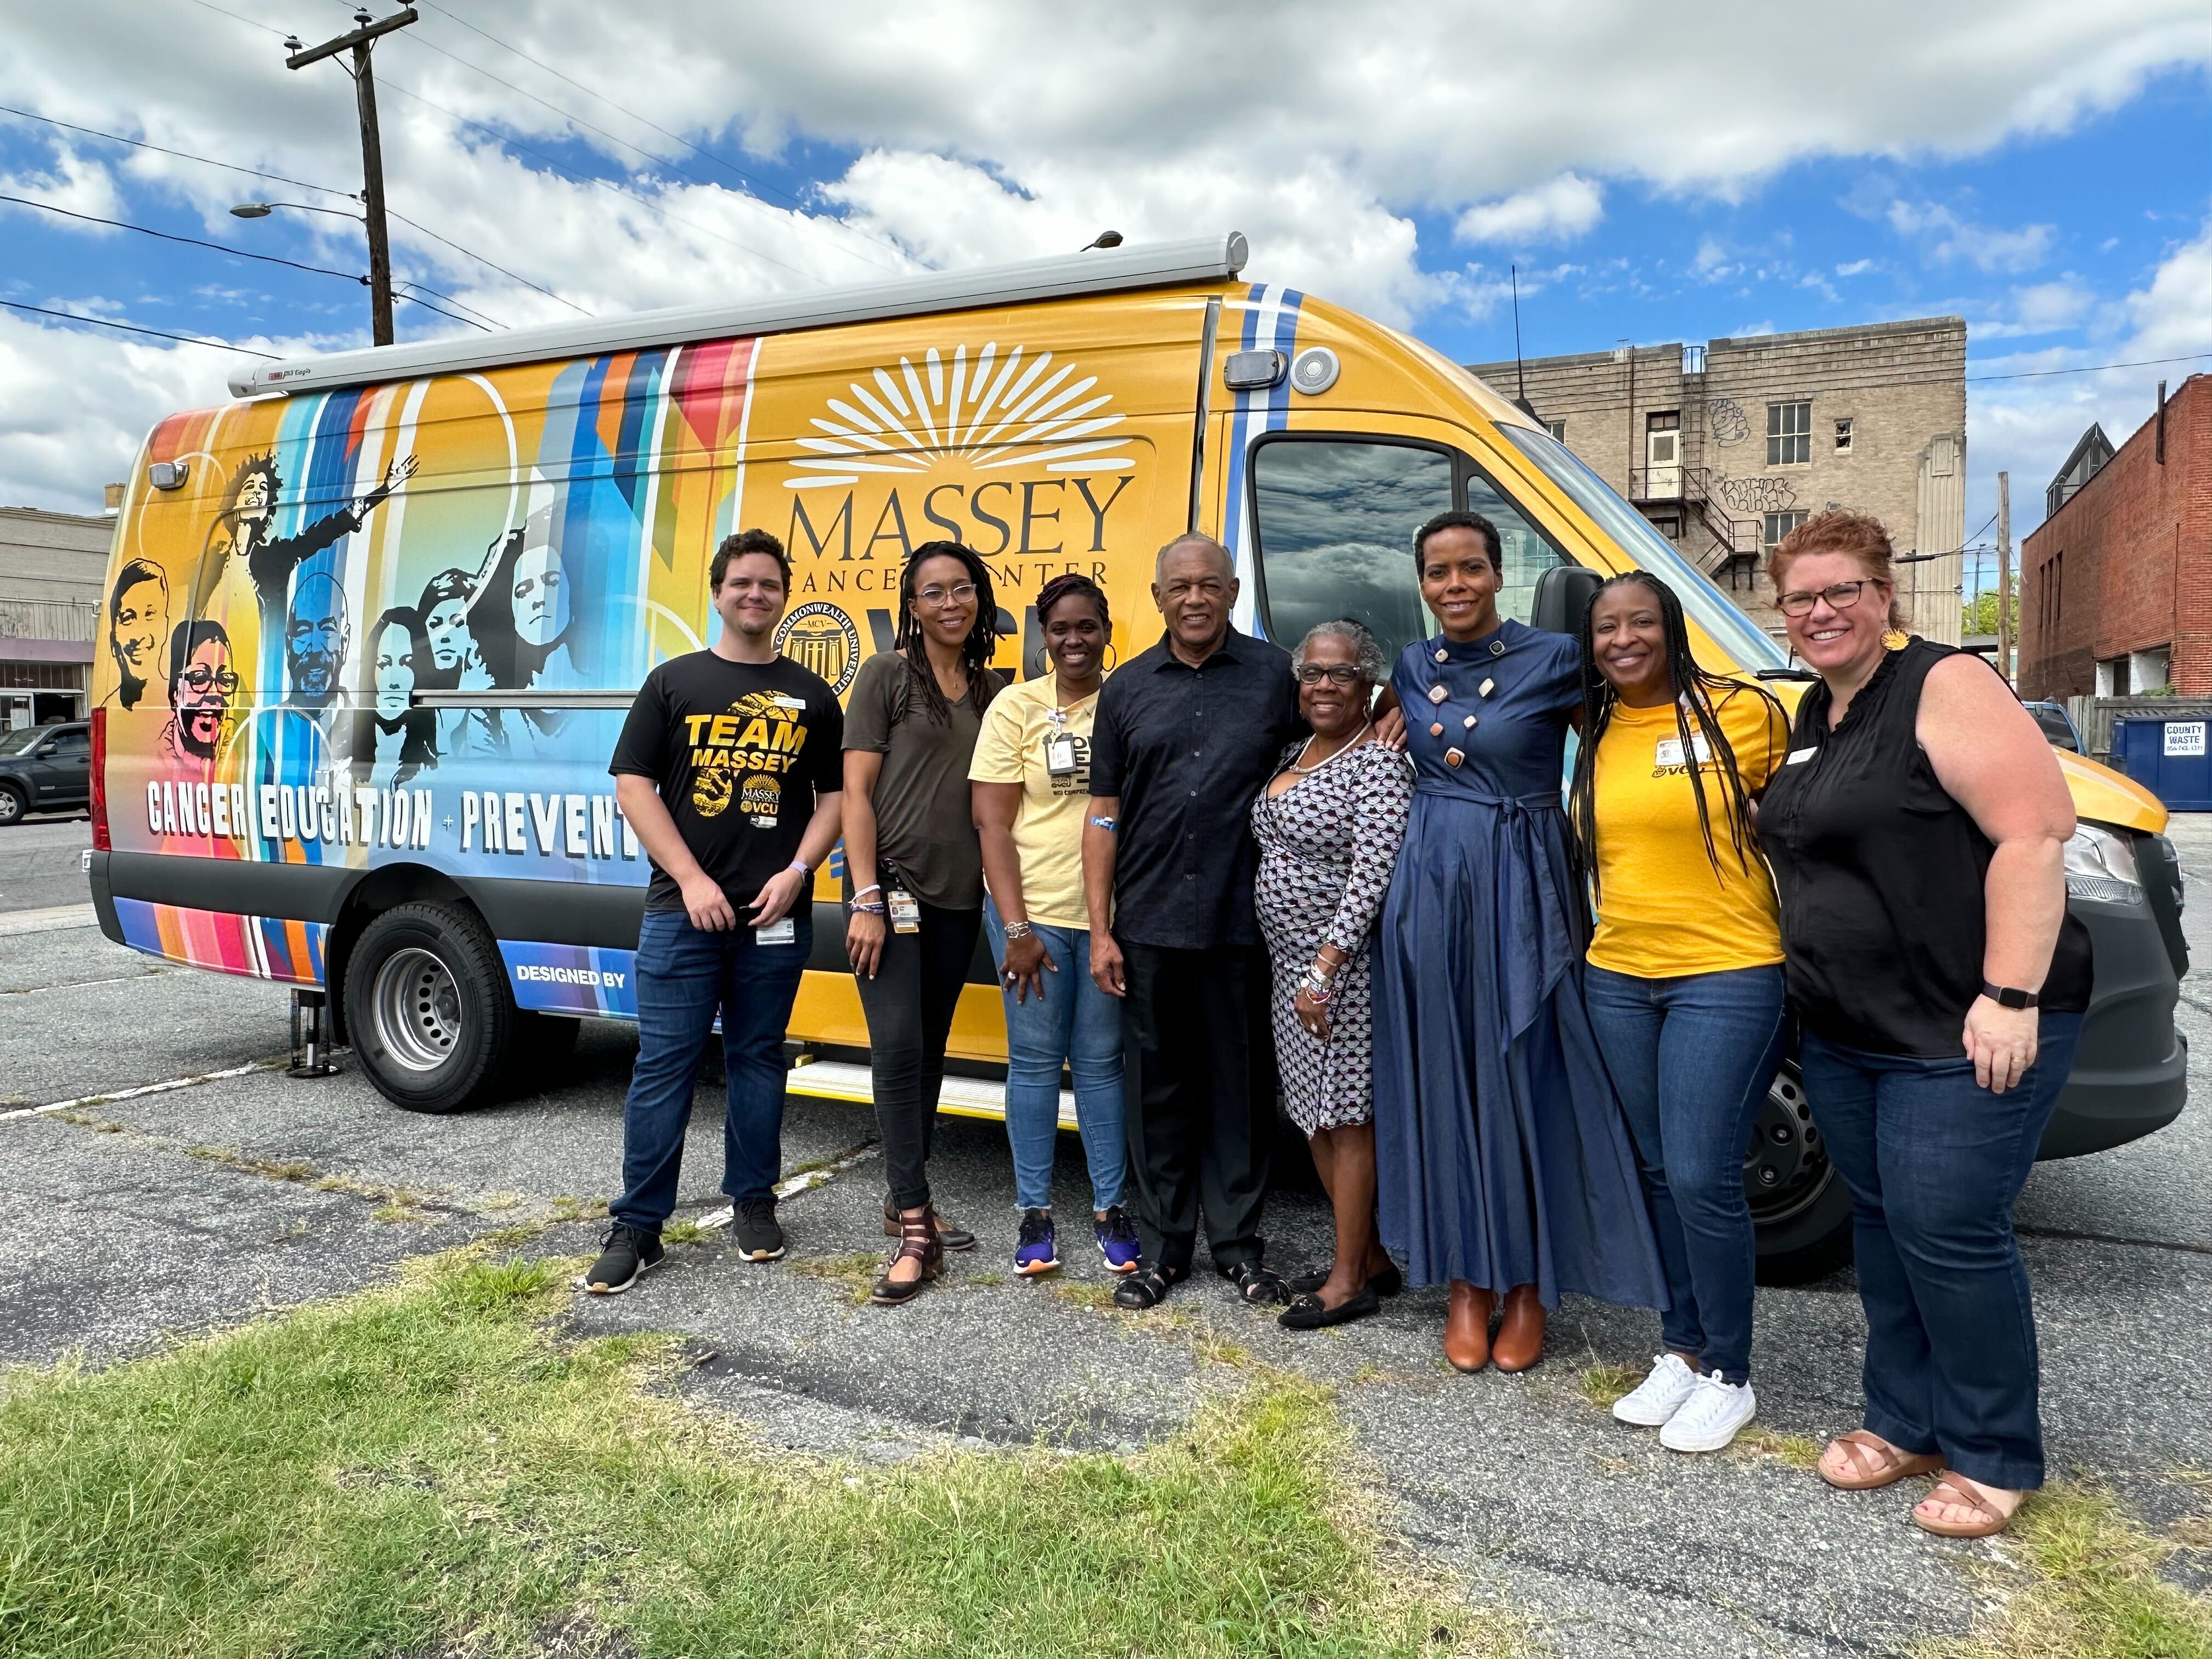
(990, 411)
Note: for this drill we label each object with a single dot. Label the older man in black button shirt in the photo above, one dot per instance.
(1185, 736)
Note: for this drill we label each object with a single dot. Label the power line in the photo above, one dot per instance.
(485, 319)
(2094, 369)
(735, 172)
(192, 241)
(401, 293)
(613, 138)
(132, 328)
(300, 184)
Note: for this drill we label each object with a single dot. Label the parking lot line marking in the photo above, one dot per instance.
(143, 1089)
(798, 1183)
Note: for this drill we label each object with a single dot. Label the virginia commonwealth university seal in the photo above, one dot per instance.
(821, 638)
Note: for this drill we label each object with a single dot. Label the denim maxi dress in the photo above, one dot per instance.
(1502, 1154)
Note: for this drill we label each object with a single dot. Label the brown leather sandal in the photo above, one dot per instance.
(1891, 1465)
(1953, 1492)
(918, 1241)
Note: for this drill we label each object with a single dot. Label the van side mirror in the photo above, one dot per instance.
(1563, 593)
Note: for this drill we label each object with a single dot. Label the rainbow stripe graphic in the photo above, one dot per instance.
(262, 947)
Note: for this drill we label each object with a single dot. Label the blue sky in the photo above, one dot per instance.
(2047, 176)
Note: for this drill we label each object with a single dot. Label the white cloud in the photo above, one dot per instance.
(2174, 313)
(77, 183)
(1558, 211)
(992, 129)
(1856, 268)
(1948, 237)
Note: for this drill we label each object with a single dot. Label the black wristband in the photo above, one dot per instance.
(2009, 996)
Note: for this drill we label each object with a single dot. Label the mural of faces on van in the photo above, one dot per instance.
(138, 630)
(202, 688)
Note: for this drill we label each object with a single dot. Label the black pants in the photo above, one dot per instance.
(910, 1005)
(1200, 1071)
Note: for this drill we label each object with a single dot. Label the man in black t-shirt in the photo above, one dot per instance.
(728, 769)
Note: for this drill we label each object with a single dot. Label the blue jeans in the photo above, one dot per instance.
(1076, 1023)
(1933, 1165)
(685, 978)
(1693, 1058)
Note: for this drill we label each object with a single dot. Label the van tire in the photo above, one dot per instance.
(427, 1006)
(1800, 1207)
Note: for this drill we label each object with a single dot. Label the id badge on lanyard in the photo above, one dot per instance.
(906, 914)
(1060, 748)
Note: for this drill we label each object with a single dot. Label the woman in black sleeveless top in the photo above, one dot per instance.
(1916, 830)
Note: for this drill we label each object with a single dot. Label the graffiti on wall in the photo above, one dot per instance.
(1727, 421)
(1751, 495)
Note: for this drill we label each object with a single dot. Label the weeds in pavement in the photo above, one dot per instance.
(1602, 1384)
(569, 1207)
(682, 1229)
(2083, 1582)
(1085, 1293)
(1799, 1451)
(425, 1468)
(855, 1270)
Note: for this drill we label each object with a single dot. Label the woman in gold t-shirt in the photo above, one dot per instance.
(1684, 982)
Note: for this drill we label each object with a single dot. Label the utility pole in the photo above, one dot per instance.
(372, 150)
(2004, 575)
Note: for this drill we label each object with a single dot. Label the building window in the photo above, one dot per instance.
(1789, 434)
(1843, 437)
(1778, 526)
(1558, 429)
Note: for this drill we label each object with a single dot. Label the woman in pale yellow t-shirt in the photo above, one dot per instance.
(1031, 778)
(1684, 983)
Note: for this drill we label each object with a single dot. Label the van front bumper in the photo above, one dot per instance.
(2131, 1073)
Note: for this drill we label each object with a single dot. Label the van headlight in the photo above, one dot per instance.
(2099, 865)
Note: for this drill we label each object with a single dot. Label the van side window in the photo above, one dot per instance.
(1526, 554)
(1336, 518)
(1336, 522)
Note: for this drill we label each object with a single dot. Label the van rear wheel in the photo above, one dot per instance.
(427, 1007)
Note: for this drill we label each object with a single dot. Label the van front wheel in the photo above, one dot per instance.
(428, 1008)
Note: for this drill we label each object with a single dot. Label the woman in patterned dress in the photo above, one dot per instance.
(1328, 827)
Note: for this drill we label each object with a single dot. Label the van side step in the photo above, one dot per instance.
(962, 1096)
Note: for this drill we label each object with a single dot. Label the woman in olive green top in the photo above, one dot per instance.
(914, 871)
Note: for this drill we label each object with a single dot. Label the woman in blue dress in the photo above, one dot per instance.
(1503, 1159)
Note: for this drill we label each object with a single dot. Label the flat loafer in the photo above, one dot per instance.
(1310, 1313)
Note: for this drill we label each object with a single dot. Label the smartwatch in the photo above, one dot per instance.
(2010, 996)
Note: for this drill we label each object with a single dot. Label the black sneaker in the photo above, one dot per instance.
(630, 1252)
(758, 1236)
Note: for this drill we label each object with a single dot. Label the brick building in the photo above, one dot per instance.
(51, 566)
(2116, 585)
(1728, 446)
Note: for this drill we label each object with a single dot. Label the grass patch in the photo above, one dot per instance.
(856, 1270)
(2085, 1585)
(1799, 1451)
(569, 1207)
(682, 1230)
(424, 1467)
(1601, 1384)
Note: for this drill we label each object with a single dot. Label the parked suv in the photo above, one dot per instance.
(2058, 726)
(45, 768)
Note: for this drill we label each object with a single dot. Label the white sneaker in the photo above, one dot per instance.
(1709, 1418)
(1659, 1395)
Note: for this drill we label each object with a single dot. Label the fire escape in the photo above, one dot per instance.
(1726, 547)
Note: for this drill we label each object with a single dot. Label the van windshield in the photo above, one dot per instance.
(1732, 630)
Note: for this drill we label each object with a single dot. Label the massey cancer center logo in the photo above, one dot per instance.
(821, 639)
(1015, 453)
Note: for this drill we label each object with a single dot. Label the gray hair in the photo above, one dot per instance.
(1197, 539)
(1366, 649)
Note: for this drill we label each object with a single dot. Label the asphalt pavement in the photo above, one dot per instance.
(193, 1184)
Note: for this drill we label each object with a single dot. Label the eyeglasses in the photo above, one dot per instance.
(958, 593)
(201, 678)
(1841, 597)
(1340, 674)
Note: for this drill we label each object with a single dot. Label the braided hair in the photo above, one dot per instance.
(1696, 718)
(1080, 586)
(976, 651)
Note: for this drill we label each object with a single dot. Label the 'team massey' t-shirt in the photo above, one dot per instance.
(740, 751)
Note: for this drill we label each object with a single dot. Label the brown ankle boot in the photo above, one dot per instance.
(1466, 1327)
(1521, 1332)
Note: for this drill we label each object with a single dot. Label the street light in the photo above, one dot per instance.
(1104, 239)
(263, 210)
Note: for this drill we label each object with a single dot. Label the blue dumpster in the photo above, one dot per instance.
(2168, 756)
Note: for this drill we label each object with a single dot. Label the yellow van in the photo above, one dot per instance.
(374, 626)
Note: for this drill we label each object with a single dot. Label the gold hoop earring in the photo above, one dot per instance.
(1113, 658)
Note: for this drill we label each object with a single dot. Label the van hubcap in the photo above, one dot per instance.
(1786, 1165)
(418, 1009)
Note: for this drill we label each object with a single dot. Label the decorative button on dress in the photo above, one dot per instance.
(1502, 1155)
(1327, 848)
